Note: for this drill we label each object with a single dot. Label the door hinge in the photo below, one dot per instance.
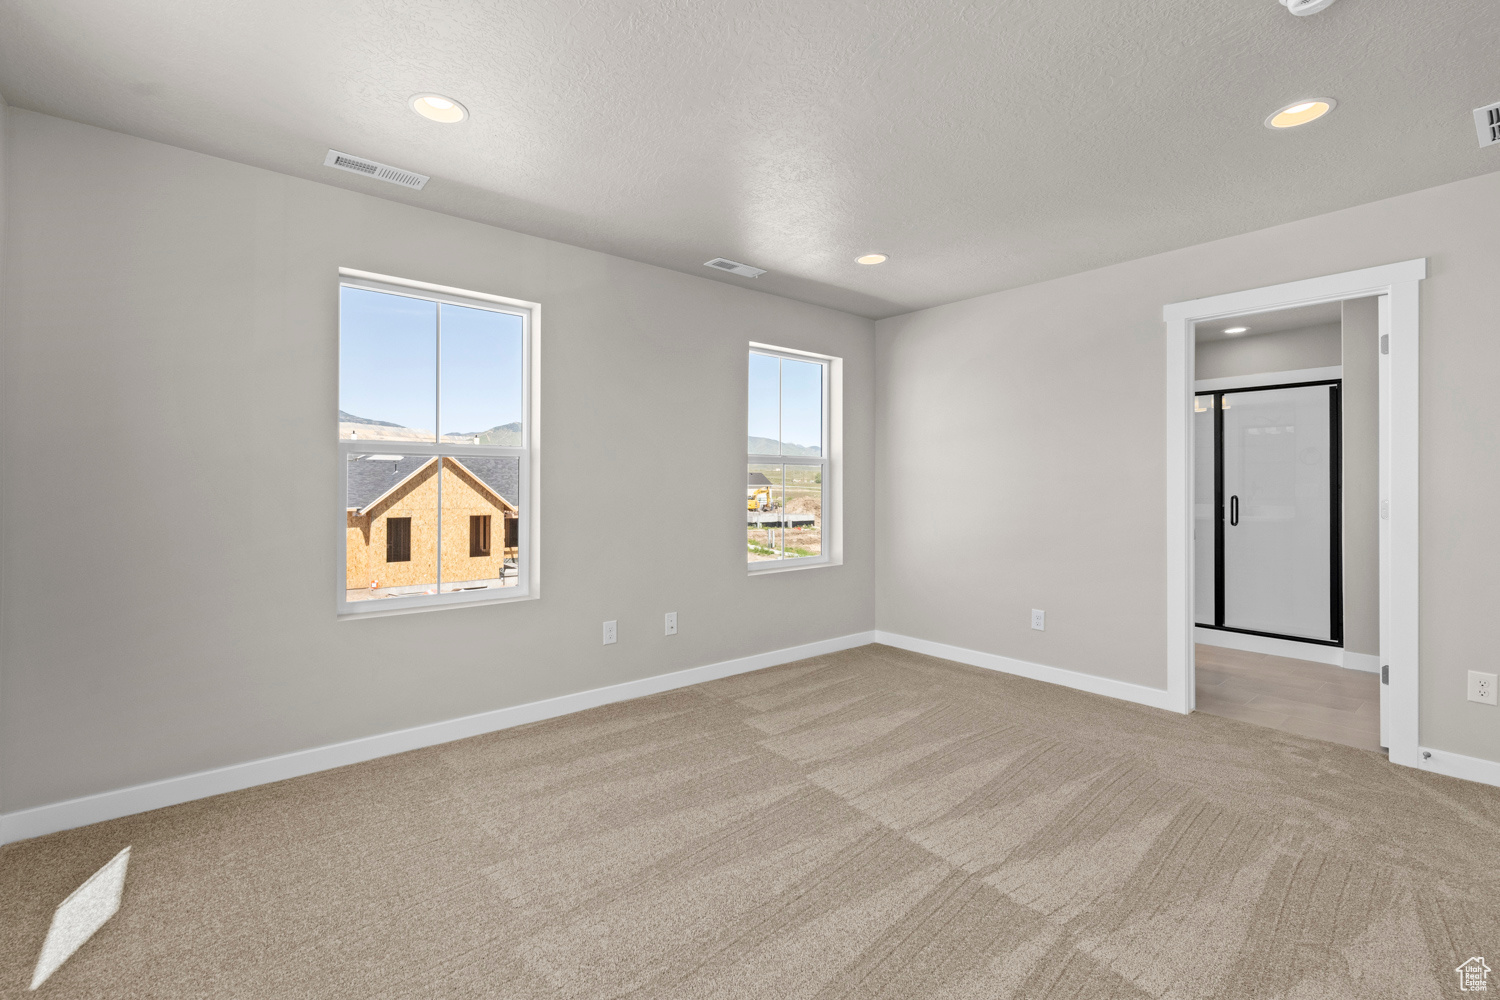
(1385, 673)
(1385, 343)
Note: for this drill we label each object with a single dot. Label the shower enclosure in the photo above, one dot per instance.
(1267, 536)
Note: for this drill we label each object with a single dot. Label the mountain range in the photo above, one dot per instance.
(500, 436)
(349, 418)
(770, 446)
(509, 436)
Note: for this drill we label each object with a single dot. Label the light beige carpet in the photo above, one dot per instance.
(868, 824)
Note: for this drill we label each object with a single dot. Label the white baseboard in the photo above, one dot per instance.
(1454, 765)
(1093, 683)
(1367, 662)
(1266, 644)
(88, 809)
(1335, 655)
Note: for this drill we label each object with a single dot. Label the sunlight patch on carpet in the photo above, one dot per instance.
(77, 918)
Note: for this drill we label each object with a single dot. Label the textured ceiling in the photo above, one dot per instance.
(983, 145)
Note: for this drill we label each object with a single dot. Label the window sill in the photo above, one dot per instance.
(780, 566)
(412, 609)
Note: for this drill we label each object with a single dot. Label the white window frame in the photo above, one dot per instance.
(528, 529)
(830, 553)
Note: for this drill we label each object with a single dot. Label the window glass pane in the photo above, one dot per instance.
(483, 402)
(391, 526)
(803, 520)
(801, 407)
(765, 414)
(763, 512)
(387, 366)
(479, 494)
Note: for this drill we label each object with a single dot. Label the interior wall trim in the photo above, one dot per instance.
(1092, 683)
(66, 815)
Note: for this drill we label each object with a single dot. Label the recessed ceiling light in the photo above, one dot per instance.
(1301, 113)
(1236, 329)
(439, 108)
(871, 258)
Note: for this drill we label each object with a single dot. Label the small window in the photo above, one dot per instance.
(397, 539)
(788, 463)
(510, 533)
(479, 535)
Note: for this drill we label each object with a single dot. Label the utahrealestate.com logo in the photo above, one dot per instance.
(1474, 975)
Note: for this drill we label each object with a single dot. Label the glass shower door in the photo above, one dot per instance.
(1280, 491)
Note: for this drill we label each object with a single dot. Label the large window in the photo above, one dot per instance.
(788, 469)
(434, 445)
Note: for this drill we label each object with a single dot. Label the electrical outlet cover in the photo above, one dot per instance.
(1482, 688)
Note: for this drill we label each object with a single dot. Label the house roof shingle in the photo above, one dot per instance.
(372, 477)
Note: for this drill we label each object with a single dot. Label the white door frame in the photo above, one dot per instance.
(1397, 284)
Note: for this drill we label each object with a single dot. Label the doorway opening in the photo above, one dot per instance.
(1276, 561)
(1316, 629)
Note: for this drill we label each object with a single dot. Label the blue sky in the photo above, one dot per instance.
(800, 417)
(388, 362)
(481, 369)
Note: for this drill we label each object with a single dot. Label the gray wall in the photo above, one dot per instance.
(1022, 444)
(168, 512)
(1283, 351)
(1361, 417)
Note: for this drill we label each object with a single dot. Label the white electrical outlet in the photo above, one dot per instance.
(1487, 123)
(1039, 620)
(671, 623)
(609, 633)
(1482, 687)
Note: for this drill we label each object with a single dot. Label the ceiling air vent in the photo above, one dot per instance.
(379, 171)
(734, 267)
(1487, 123)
